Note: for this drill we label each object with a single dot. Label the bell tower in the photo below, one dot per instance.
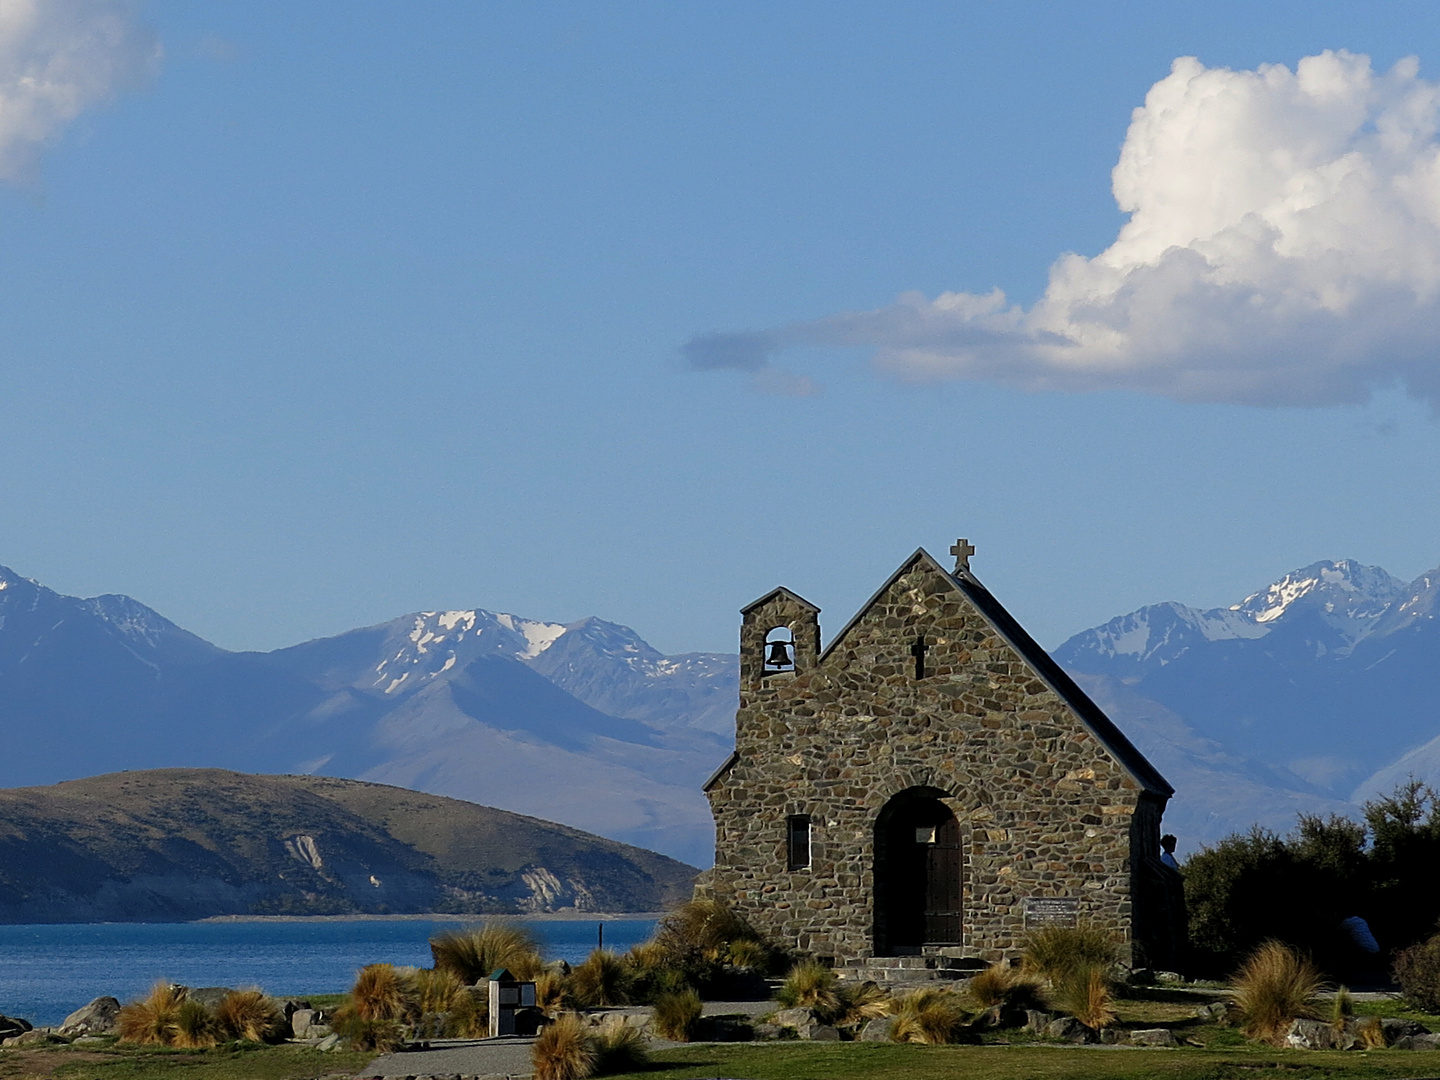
(779, 637)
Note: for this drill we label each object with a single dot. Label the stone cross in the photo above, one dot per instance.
(962, 549)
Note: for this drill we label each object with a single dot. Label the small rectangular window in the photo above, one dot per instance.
(797, 846)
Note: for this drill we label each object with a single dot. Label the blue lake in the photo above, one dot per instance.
(48, 971)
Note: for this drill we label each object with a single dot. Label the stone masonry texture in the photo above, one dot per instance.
(1045, 809)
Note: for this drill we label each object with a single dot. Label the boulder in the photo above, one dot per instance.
(1153, 1037)
(1036, 1021)
(823, 1033)
(301, 1021)
(1395, 1029)
(289, 1005)
(97, 1018)
(793, 1018)
(1312, 1035)
(36, 1037)
(1418, 1042)
(1068, 1029)
(766, 1031)
(1112, 1036)
(11, 1026)
(1215, 1012)
(330, 1042)
(729, 1029)
(878, 1030)
(209, 996)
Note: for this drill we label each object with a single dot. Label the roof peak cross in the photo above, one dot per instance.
(962, 549)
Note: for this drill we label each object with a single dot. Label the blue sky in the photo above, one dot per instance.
(317, 314)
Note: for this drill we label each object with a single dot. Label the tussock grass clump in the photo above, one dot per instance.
(550, 987)
(1372, 1034)
(154, 1019)
(476, 951)
(194, 1026)
(860, 1002)
(1001, 986)
(470, 1014)
(248, 1014)
(931, 1016)
(750, 954)
(602, 979)
(652, 974)
(620, 1048)
(564, 1050)
(1088, 994)
(1273, 987)
(378, 1008)
(677, 1016)
(1054, 953)
(810, 985)
(1342, 1008)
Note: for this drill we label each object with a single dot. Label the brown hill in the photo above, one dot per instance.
(177, 844)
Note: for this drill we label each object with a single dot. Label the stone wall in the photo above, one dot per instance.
(1045, 810)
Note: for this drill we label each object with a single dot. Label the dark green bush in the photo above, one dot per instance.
(1417, 970)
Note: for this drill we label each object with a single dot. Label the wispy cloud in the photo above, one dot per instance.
(1283, 248)
(57, 59)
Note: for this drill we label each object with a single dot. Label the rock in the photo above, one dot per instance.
(823, 1033)
(97, 1018)
(1311, 1035)
(768, 1031)
(793, 1018)
(318, 1031)
(1036, 1021)
(1396, 1029)
(11, 1026)
(1169, 977)
(878, 1030)
(1068, 1029)
(1418, 1042)
(209, 996)
(728, 1029)
(301, 1019)
(289, 1005)
(36, 1037)
(93, 1040)
(330, 1042)
(1153, 1037)
(1213, 1012)
(1114, 1036)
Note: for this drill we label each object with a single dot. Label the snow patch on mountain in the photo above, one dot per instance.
(1345, 589)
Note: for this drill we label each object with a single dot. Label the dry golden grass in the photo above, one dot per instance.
(677, 1015)
(248, 1014)
(564, 1050)
(929, 1016)
(1087, 995)
(194, 1027)
(1273, 987)
(602, 979)
(1054, 952)
(620, 1048)
(860, 1002)
(477, 951)
(154, 1019)
(810, 985)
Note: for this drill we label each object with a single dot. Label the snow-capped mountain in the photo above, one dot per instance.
(583, 723)
(1326, 676)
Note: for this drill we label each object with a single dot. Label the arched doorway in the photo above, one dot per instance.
(918, 872)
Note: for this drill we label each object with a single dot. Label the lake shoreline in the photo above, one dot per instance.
(440, 916)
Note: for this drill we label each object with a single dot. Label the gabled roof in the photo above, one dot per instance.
(1051, 673)
(721, 771)
(772, 594)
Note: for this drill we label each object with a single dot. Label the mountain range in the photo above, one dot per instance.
(1307, 696)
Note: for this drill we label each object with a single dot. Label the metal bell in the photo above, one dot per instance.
(779, 655)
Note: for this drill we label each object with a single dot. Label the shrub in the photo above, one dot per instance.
(1275, 986)
(677, 1015)
(250, 1015)
(810, 985)
(602, 979)
(929, 1016)
(194, 1026)
(1417, 970)
(620, 1048)
(477, 951)
(651, 973)
(381, 1036)
(564, 1050)
(153, 1020)
(1056, 952)
(378, 1007)
(1087, 994)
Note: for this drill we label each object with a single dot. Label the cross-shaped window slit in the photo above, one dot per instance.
(918, 651)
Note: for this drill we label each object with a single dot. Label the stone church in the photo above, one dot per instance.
(930, 782)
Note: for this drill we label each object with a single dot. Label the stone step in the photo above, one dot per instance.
(900, 976)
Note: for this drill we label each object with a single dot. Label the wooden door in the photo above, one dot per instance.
(942, 884)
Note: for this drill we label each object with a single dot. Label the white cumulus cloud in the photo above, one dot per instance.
(1282, 248)
(57, 59)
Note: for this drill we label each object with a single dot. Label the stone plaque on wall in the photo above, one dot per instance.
(1051, 911)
